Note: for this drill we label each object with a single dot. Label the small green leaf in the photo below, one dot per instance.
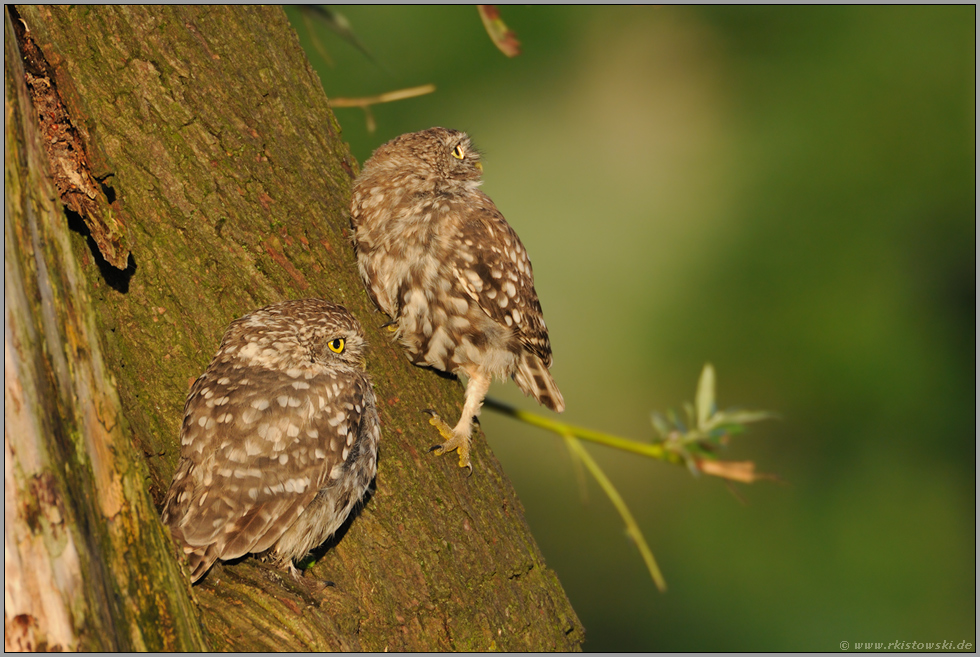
(736, 418)
(660, 424)
(705, 398)
(745, 417)
(719, 432)
(692, 420)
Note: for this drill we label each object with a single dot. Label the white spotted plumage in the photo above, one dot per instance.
(438, 257)
(279, 440)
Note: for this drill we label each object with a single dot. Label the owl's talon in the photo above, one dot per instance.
(295, 572)
(458, 444)
(444, 429)
(454, 441)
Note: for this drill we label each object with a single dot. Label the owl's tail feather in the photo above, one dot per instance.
(200, 561)
(535, 380)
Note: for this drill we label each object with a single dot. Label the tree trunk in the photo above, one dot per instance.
(168, 169)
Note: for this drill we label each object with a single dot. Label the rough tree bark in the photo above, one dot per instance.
(168, 169)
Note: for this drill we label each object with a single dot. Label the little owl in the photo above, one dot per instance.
(438, 257)
(279, 440)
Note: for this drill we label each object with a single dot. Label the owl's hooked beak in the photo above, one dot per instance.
(479, 165)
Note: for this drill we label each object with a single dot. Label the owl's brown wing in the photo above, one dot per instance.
(269, 453)
(367, 268)
(493, 269)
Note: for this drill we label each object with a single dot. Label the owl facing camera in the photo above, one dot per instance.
(279, 440)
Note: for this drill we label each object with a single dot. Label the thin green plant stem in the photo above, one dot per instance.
(654, 451)
(692, 445)
(632, 529)
(571, 434)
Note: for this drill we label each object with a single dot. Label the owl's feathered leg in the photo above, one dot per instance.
(458, 438)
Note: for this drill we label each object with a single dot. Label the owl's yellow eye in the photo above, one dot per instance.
(458, 152)
(336, 345)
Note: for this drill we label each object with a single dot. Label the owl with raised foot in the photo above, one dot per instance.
(439, 258)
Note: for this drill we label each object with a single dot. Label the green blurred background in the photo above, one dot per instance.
(788, 193)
